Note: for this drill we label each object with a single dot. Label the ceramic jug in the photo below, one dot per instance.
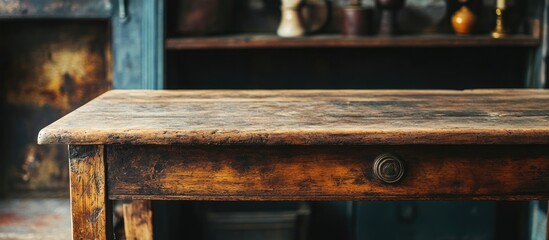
(290, 21)
(463, 21)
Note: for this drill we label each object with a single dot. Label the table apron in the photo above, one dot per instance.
(431, 172)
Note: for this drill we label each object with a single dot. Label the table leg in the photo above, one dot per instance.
(138, 220)
(90, 207)
(547, 223)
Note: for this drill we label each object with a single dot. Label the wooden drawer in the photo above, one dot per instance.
(441, 172)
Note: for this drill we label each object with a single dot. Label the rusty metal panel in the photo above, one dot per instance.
(55, 8)
(48, 68)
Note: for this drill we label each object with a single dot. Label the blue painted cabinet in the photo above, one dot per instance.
(138, 44)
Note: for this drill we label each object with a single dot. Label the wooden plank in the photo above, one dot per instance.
(307, 117)
(55, 9)
(435, 172)
(138, 220)
(272, 41)
(91, 211)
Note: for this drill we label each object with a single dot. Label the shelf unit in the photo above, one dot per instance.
(273, 41)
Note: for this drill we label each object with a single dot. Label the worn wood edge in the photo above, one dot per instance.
(296, 137)
(311, 94)
(53, 135)
(90, 211)
(316, 91)
(224, 197)
(63, 15)
(271, 41)
(45, 134)
(55, 9)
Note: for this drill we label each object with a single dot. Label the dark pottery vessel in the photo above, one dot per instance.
(316, 14)
(356, 21)
(204, 17)
(388, 24)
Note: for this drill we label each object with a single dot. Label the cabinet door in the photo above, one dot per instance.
(138, 44)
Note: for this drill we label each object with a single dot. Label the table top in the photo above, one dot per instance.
(307, 117)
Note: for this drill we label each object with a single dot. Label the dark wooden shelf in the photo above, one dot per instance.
(272, 41)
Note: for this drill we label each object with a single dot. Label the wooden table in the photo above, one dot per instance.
(300, 145)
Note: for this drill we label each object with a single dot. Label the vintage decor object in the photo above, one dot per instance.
(291, 24)
(499, 30)
(388, 23)
(315, 15)
(204, 17)
(423, 17)
(355, 19)
(388, 168)
(463, 21)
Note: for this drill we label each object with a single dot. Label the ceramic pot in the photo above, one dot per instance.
(315, 15)
(463, 21)
(356, 21)
(204, 17)
(388, 21)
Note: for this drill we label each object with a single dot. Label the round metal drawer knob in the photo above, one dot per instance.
(388, 168)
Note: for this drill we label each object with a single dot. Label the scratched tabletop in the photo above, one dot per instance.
(307, 117)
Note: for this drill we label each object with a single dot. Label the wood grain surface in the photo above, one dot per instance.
(434, 172)
(272, 41)
(307, 117)
(90, 208)
(138, 220)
